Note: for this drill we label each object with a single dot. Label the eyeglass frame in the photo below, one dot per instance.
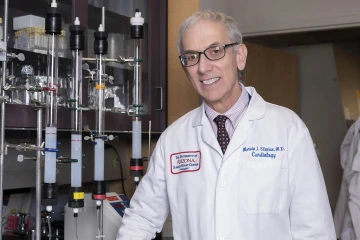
(203, 52)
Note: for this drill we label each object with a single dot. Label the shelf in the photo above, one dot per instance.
(154, 67)
(37, 8)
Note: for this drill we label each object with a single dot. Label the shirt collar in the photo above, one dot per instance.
(234, 112)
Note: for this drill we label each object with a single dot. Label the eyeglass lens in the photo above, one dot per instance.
(212, 53)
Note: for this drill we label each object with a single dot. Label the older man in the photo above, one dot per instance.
(235, 168)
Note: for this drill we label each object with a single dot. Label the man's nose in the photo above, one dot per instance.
(204, 64)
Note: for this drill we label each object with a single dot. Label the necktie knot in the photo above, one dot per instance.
(222, 134)
(220, 121)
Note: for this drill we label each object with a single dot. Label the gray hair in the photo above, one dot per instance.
(226, 21)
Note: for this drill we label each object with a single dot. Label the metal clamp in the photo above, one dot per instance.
(136, 110)
(118, 110)
(62, 159)
(3, 51)
(4, 98)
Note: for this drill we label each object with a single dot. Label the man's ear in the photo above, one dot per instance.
(241, 56)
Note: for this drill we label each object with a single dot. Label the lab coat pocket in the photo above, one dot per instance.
(263, 185)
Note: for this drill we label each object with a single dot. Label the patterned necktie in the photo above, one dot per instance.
(222, 135)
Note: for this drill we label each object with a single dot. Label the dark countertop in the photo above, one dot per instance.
(5, 237)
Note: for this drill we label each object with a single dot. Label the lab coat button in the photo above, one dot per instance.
(223, 184)
(222, 238)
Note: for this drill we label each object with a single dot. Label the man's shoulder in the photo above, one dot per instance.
(279, 110)
(270, 110)
(282, 114)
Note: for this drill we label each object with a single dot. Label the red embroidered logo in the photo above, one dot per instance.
(185, 162)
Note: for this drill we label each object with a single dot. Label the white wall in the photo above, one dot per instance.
(321, 109)
(261, 17)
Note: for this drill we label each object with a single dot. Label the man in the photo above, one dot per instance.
(235, 168)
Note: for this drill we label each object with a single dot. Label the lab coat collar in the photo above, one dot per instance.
(256, 109)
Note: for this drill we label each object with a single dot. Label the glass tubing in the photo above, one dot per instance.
(51, 109)
(76, 119)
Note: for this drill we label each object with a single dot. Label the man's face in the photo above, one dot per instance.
(215, 81)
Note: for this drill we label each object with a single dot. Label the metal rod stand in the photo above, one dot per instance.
(38, 173)
(2, 127)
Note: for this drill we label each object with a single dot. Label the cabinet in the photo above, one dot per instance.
(182, 97)
(117, 24)
(274, 74)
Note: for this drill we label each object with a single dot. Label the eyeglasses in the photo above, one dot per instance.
(212, 53)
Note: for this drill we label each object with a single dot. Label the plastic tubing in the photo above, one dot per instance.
(99, 160)
(136, 125)
(76, 167)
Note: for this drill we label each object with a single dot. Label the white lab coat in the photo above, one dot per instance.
(347, 212)
(267, 186)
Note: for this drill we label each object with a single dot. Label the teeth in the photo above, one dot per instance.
(210, 81)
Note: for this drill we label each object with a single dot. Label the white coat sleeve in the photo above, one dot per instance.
(310, 213)
(342, 218)
(354, 193)
(149, 206)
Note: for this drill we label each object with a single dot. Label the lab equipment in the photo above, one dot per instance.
(53, 26)
(136, 162)
(77, 45)
(113, 206)
(51, 92)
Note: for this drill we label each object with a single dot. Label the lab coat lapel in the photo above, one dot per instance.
(209, 137)
(243, 131)
(207, 134)
(255, 111)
